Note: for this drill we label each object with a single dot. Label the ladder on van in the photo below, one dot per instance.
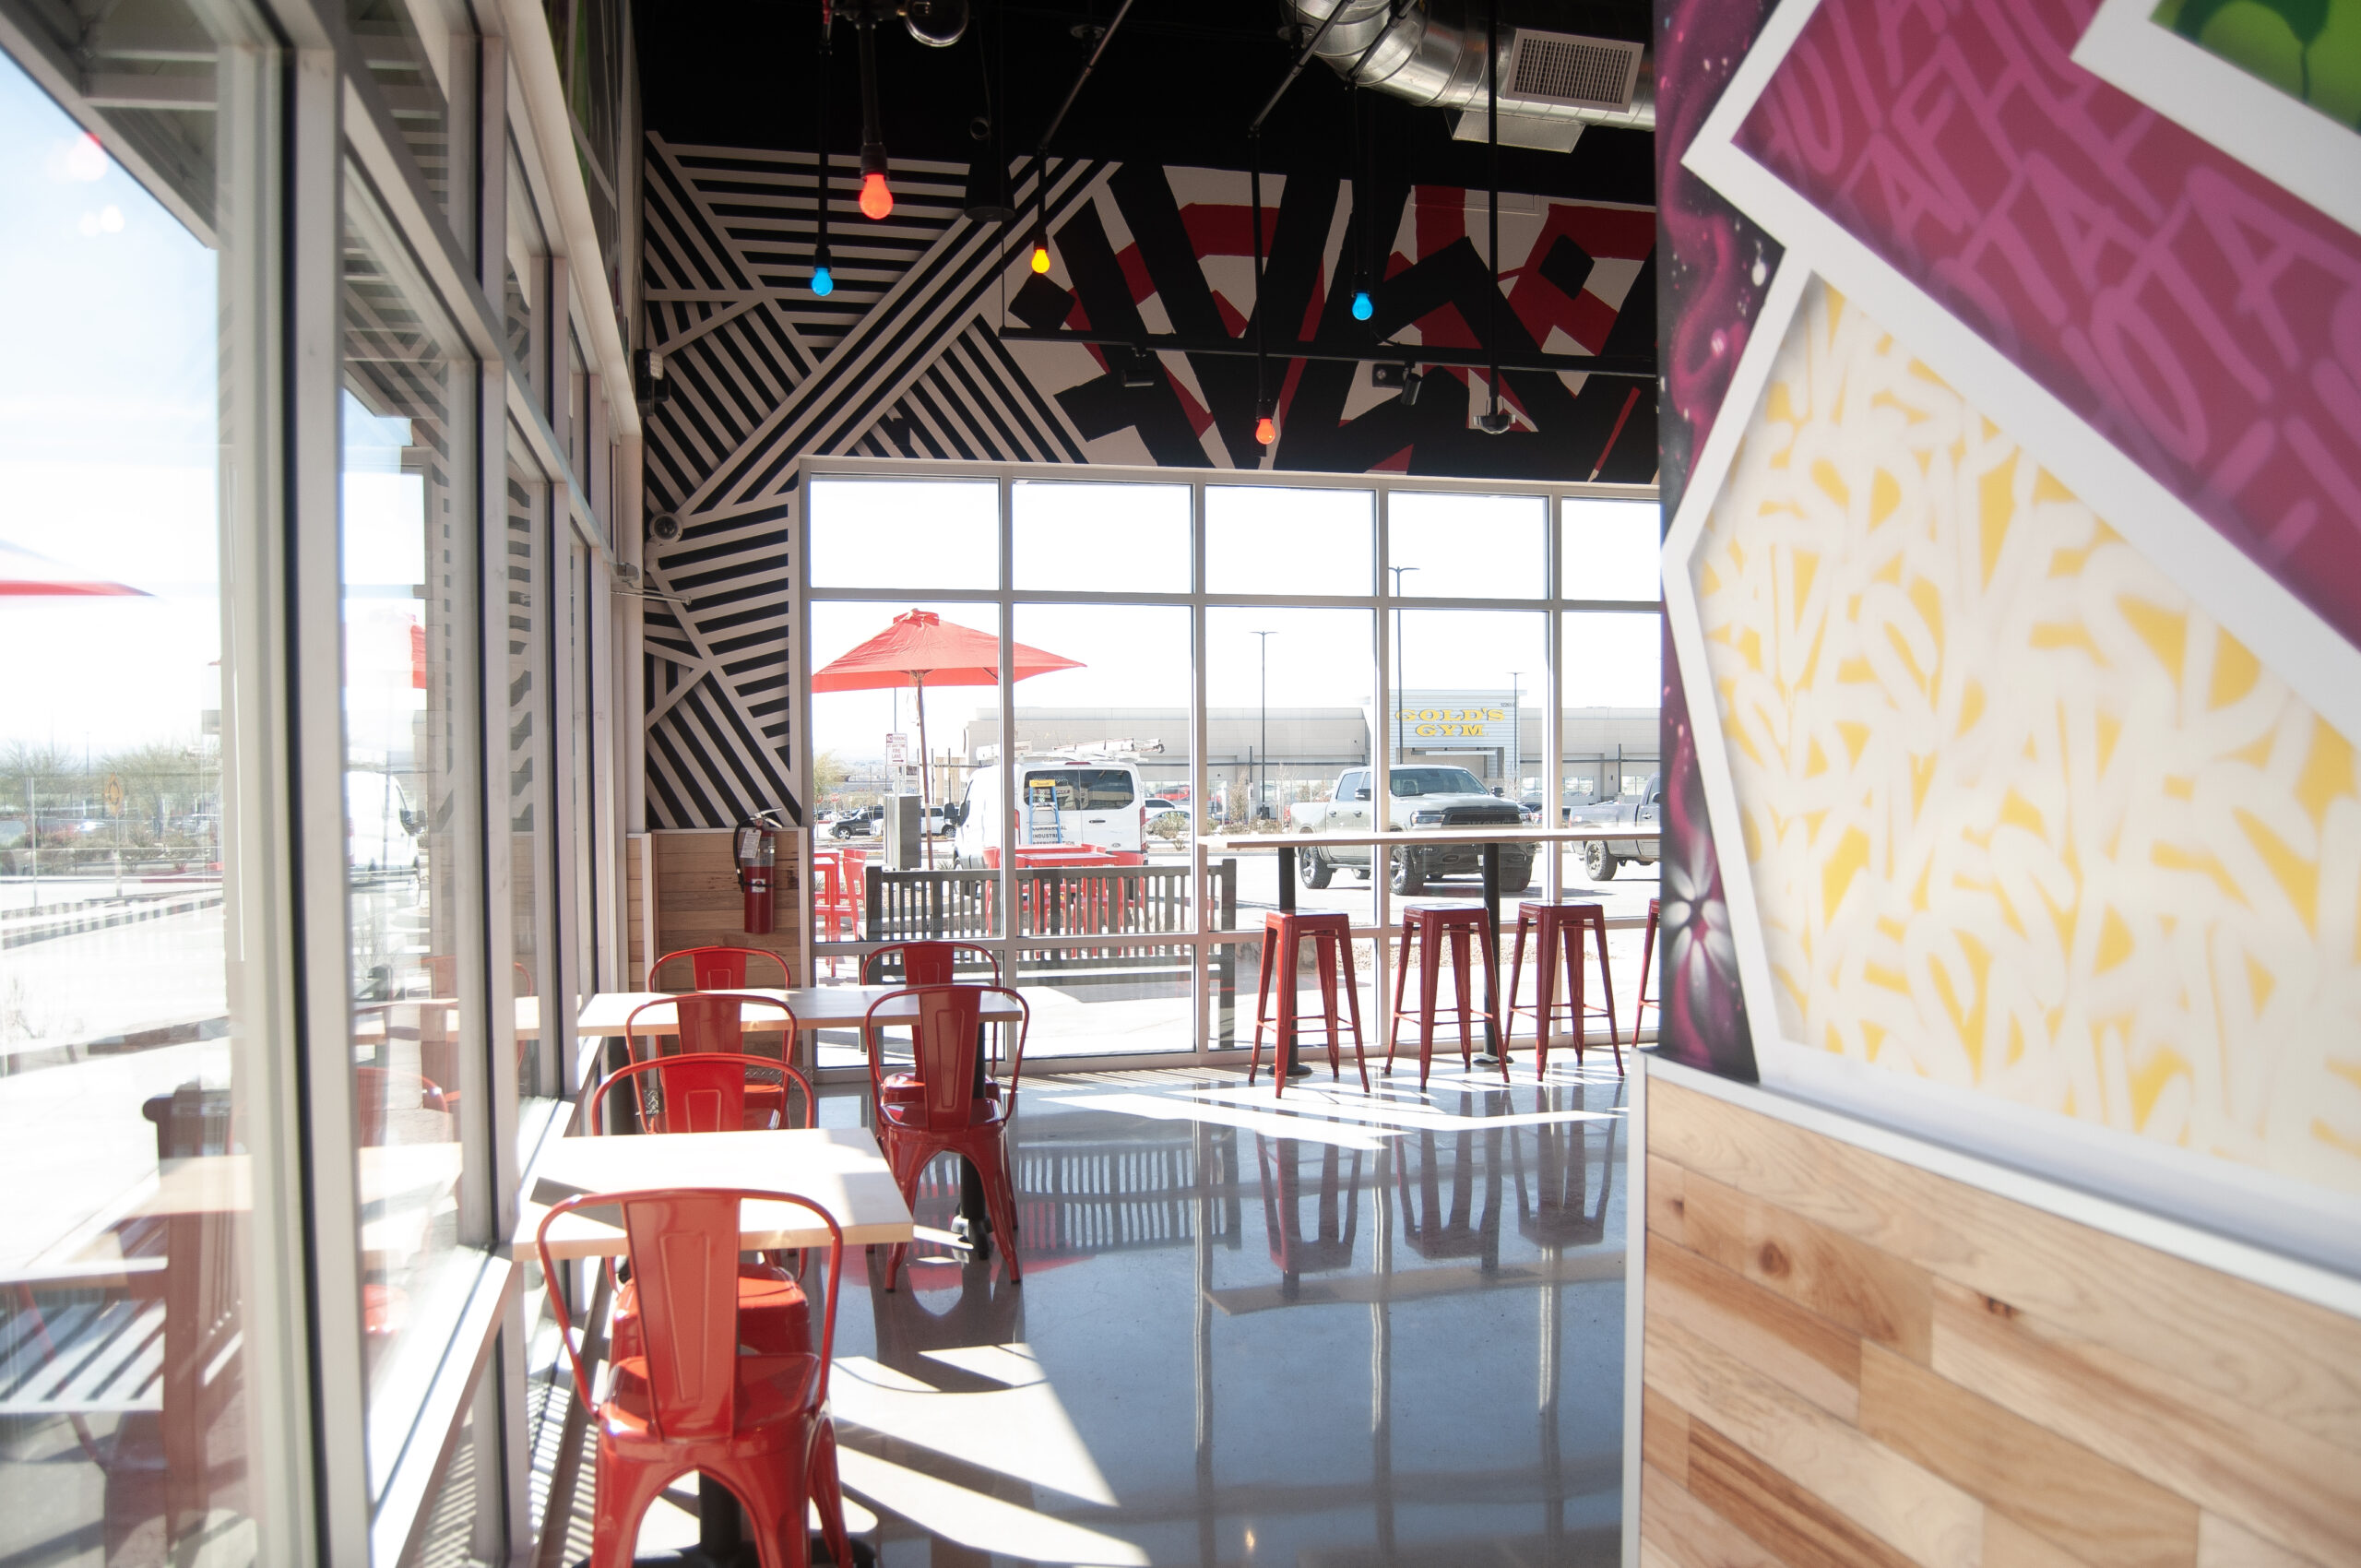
(1041, 812)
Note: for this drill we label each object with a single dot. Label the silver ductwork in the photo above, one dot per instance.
(1433, 54)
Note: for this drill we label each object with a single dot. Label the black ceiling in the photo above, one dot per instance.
(1178, 86)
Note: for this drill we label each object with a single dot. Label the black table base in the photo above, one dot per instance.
(1492, 1047)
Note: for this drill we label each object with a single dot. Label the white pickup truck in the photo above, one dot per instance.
(1423, 797)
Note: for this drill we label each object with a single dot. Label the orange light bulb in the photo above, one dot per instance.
(876, 198)
(1266, 430)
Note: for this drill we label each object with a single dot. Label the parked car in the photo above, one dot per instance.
(860, 823)
(1602, 856)
(1422, 797)
(1095, 803)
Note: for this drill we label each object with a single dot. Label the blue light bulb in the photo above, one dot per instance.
(1363, 306)
(824, 282)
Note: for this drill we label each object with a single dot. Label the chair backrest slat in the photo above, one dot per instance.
(704, 1092)
(723, 969)
(925, 963)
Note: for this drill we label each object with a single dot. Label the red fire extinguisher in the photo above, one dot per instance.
(757, 854)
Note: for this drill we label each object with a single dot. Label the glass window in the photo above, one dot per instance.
(1080, 789)
(582, 583)
(1610, 550)
(421, 77)
(1613, 692)
(528, 727)
(1107, 538)
(888, 533)
(126, 1099)
(1465, 546)
(1468, 734)
(1260, 538)
(524, 291)
(409, 627)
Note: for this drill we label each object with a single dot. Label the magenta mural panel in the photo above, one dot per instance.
(2195, 314)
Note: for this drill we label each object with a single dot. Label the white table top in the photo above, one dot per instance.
(837, 1168)
(1339, 838)
(816, 1007)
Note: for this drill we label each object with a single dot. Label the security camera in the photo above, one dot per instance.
(664, 527)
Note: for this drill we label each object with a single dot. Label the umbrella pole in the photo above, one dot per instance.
(926, 785)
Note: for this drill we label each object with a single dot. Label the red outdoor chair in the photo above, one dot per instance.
(708, 1092)
(949, 1116)
(692, 1399)
(927, 963)
(722, 968)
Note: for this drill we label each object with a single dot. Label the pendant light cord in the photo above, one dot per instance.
(1492, 173)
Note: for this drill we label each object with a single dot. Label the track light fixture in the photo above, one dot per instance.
(1412, 383)
(1497, 422)
(1138, 368)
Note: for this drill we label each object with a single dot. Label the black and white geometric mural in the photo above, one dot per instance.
(906, 360)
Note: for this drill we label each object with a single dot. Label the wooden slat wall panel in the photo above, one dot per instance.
(698, 903)
(1852, 1360)
(636, 955)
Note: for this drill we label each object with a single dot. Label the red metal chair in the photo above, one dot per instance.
(722, 968)
(1641, 1004)
(377, 1090)
(926, 963)
(1332, 954)
(709, 1021)
(948, 1117)
(1424, 927)
(1560, 929)
(692, 1399)
(708, 1092)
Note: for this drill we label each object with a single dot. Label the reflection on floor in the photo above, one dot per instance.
(1329, 1329)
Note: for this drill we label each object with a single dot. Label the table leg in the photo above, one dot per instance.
(974, 1222)
(721, 1531)
(1492, 939)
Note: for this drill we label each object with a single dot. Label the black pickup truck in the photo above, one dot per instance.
(1602, 856)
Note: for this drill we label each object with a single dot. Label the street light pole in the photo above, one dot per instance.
(1516, 738)
(1397, 704)
(1262, 785)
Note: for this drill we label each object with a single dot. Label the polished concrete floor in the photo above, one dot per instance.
(1325, 1330)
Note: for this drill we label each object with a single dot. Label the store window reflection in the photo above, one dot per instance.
(409, 629)
(124, 1104)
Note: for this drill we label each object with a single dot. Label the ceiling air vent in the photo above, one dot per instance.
(1584, 73)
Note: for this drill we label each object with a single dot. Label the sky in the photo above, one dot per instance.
(108, 438)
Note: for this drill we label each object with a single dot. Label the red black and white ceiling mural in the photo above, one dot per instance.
(905, 359)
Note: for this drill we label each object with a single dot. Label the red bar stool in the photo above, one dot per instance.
(1647, 947)
(1560, 929)
(1424, 927)
(1285, 932)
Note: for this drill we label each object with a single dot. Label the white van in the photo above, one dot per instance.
(381, 828)
(1102, 804)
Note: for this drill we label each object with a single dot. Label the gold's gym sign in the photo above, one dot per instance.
(1456, 723)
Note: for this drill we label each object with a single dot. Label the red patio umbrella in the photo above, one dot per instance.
(26, 573)
(921, 647)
